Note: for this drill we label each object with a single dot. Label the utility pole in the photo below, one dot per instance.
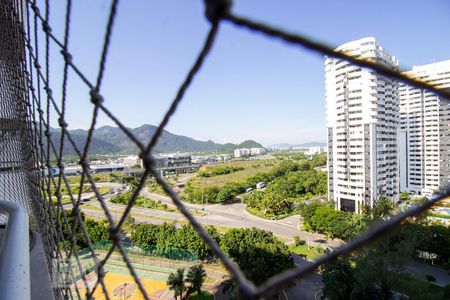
(203, 188)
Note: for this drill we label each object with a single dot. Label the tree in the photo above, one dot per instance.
(338, 279)
(145, 234)
(381, 210)
(257, 252)
(176, 282)
(447, 291)
(298, 241)
(196, 276)
(229, 191)
(229, 288)
(187, 237)
(97, 231)
(404, 196)
(129, 224)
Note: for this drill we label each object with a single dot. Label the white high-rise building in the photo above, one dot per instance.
(362, 124)
(424, 137)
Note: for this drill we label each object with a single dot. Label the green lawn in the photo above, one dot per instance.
(261, 214)
(251, 168)
(416, 287)
(64, 200)
(204, 295)
(310, 252)
(442, 216)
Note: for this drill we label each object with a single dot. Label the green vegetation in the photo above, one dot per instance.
(64, 200)
(298, 183)
(175, 282)
(141, 201)
(344, 279)
(442, 216)
(204, 295)
(218, 170)
(229, 147)
(97, 231)
(225, 187)
(290, 155)
(257, 252)
(210, 187)
(319, 217)
(370, 272)
(75, 189)
(154, 187)
(310, 252)
(195, 278)
(166, 236)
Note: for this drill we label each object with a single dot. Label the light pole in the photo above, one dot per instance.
(203, 188)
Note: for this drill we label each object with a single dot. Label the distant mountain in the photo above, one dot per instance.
(296, 146)
(112, 140)
(229, 147)
(311, 144)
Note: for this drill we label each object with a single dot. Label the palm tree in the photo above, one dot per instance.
(229, 288)
(176, 282)
(196, 276)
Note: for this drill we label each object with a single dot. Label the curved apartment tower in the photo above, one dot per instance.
(362, 121)
(424, 137)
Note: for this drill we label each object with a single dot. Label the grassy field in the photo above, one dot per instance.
(416, 287)
(261, 214)
(442, 216)
(65, 199)
(204, 295)
(311, 252)
(101, 177)
(250, 168)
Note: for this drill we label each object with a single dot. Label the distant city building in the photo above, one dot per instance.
(424, 137)
(314, 150)
(244, 152)
(132, 160)
(161, 161)
(179, 160)
(280, 147)
(362, 122)
(107, 168)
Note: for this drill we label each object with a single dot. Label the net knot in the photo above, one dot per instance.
(67, 56)
(62, 123)
(49, 92)
(216, 9)
(96, 98)
(47, 29)
(100, 272)
(147, 160)
(35, 8)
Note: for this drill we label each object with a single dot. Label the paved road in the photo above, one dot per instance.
(307, 288)
(228, 215)
(421, 270)
(235, 215)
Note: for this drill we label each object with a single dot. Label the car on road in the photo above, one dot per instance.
(261, 185)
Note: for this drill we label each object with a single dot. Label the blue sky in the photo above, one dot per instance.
(250, 87)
